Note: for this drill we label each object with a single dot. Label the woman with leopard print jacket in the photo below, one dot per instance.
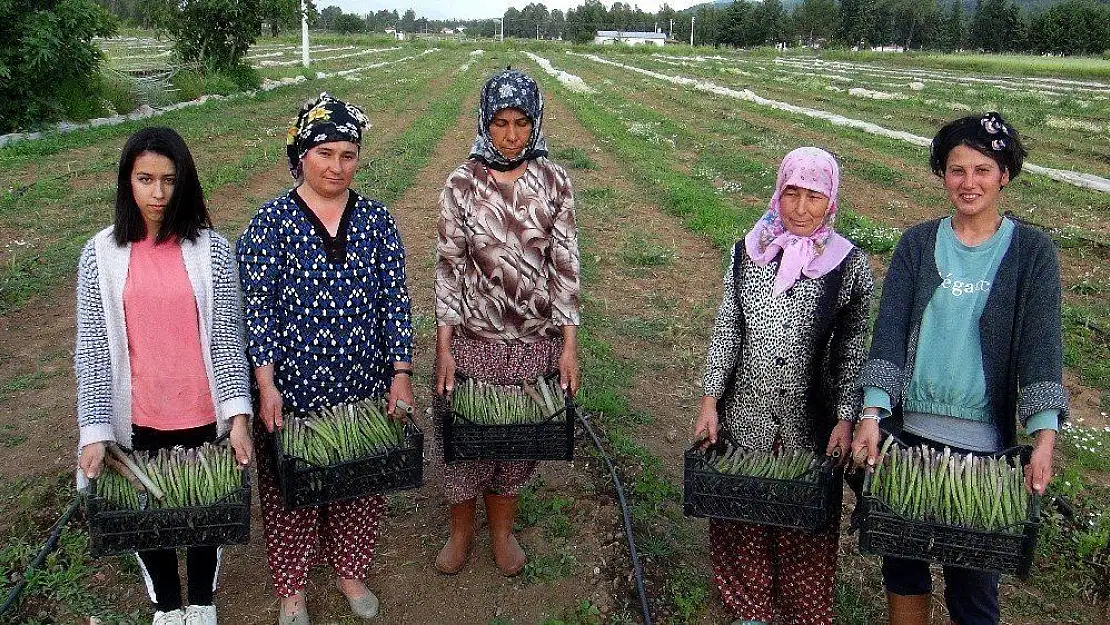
(782, 364)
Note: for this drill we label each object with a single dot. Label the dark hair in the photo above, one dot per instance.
(987, 133)
(186, 213)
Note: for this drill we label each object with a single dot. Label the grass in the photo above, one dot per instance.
(639, 250)
(574, 158)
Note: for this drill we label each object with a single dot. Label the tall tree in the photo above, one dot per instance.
(954, 28)
(279, 14)
(816, 19)
(408, 22)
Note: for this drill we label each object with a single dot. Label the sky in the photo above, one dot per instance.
(476, 9)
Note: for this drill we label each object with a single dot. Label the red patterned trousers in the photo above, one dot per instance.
(765, 572)
(342, 534)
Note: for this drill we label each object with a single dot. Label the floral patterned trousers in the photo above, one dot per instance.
(765, 572)
(342, 534)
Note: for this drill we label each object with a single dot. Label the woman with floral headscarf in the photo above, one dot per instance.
(506, 288)
(782, 363)
(328, 322)
(967, 345)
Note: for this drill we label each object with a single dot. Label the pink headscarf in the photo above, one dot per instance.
(820, 252)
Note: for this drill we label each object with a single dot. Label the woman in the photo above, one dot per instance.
(967, 344)
(328, 322)
(506, 287)
(786, 350)
(159, 359)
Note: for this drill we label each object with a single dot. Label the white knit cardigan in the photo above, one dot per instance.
(101, 358)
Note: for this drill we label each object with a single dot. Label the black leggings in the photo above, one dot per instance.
(160, 567)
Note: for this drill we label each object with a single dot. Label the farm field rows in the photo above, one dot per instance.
(665, 178)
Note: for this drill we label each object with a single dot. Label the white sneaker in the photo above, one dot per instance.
(200, 615)
(173, 617)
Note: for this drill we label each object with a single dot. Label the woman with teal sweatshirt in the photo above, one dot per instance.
(967, 345)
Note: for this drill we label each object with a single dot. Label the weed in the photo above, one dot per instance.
(640, 251)
(575, 158)
(546, 567)
(688, 593)
(585, 613)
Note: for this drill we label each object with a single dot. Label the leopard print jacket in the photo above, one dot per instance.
(787, 367)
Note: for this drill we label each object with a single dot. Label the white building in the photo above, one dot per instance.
(630, 38)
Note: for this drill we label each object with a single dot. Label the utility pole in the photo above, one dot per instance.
(670, 31)
(502, 29)
(304, 35)
(537, 30)
(691, 30)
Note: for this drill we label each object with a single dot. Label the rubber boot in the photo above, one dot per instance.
(452, 557)
(501, 512)
(909, 609)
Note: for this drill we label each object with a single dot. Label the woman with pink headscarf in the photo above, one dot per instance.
(781, 370)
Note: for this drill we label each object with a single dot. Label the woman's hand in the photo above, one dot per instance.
(1039, 472)
(840, 443)
(865, 444)
(568, 369)
(706, 426)
(445, 372)
(91, 460)
(240, 439)
(400, 389)
(269, 406)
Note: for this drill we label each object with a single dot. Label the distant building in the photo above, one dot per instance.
(447, 31)
(630, 38)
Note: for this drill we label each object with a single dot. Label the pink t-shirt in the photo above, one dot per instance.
(169, 383)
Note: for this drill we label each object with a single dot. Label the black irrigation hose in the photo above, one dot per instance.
(637, 569)
(51, 544)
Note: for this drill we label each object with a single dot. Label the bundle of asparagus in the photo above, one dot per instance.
(978, 492)
(341, 433)
(171, 478)
(492, 404)
(781, 464)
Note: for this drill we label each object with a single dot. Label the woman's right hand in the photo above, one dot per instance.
(91, 460)
(445, 372)
(269, 406)
(865, 443)
(705, 428)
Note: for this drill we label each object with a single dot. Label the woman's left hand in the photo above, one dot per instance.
(840, 442)
(1039, 472)
(400, 389)
(568, 369)
(240, 439)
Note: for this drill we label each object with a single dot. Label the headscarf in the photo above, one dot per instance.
(820, 252)
(510, 88)
(323, 120)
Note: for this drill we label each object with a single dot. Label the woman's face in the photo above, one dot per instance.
(802, 210)
(330, 167)
(510, 131)
(973, 181)
(152, 180)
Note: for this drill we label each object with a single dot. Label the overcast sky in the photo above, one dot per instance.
(475, 9)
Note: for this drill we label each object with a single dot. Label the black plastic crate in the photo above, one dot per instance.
(304, 484)
(550, 440)
(113, 531)
(886, 533)
(796, 504)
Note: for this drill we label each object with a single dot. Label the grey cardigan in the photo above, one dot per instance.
(1020, 328)
(101, 358)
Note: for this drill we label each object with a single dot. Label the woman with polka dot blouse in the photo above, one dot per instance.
(787, 347)
(506, 293)
(328, 322)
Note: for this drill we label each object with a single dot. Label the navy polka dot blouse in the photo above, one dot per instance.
(332, 314)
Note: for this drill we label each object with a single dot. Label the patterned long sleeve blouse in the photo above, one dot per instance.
(796, 357)
(332, 314)
(507, 268)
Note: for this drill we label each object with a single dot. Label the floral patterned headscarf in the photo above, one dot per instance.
(820, 252)
(324, 120)
(510, 88)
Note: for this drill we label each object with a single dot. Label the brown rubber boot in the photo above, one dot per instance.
(452, 557)
(501, 512)
(909, 609)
